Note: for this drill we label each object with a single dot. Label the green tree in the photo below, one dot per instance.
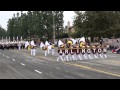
(59, 23)
(35, 24)
(97, 23)
(3, 33)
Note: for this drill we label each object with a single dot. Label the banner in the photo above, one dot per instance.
(72, 51)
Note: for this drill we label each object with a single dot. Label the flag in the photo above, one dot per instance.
(21, 38)
(26, 44)
(9, 39)
(13, 38)
(32, 43)
(41, 45)
(46, 43)
(6, 39)
(73, 40)
(60, 43)
(82, 39)
(17, 38)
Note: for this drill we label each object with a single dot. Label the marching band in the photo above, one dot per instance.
(70, 51)
(12, 45)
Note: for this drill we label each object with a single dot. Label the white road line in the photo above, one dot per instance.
(13, 59)
(7, 57)
(23, 64)
(38, 71)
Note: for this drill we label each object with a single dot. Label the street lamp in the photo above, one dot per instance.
(53, 26)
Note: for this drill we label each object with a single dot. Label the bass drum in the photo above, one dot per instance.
(44, 48)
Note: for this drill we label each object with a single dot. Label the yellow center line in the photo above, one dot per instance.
(53, 60)
(115, 61)
(90, 68)
(87, 67)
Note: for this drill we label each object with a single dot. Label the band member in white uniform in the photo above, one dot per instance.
(19, 46)
(105, 51)
(99, 49)
(89, 52)
(60, 50)
(77, 51)
(84, 52)
(53, 47)
(66, 55)
(33, 48)
(72, 53)
(41, 45)
(94, 51)
(82, 45)
(45, 49)
(48, 46)
(26, 44)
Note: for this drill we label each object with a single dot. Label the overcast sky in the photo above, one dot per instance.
(5, 15)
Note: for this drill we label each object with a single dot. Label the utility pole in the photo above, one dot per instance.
(53, 26)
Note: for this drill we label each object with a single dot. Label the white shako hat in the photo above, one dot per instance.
(60, 43)
(82, 39)
(32, 43)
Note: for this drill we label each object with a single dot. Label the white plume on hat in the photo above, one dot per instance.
(17, 37)
(60, 43)
(21, 38)
(9, 39)
(26, 44)
(32, 43)
(73, 40)
(41, 45)
(82, 39)
(46, 43)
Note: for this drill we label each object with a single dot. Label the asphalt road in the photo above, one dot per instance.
(16, 64)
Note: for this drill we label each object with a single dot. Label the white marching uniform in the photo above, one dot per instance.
(105, 52)
(66, 55)
(47, 45)
(60, 52)
(78, 53)
(33, 48)
(26, 44)
(43, 47)
(100, 51)
(89, 52)
(19, 46)
(94, 51)
(84, 52)
(52, 47)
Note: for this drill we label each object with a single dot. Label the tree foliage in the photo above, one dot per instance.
(97, 23)
(35, 24)
(3, 32)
